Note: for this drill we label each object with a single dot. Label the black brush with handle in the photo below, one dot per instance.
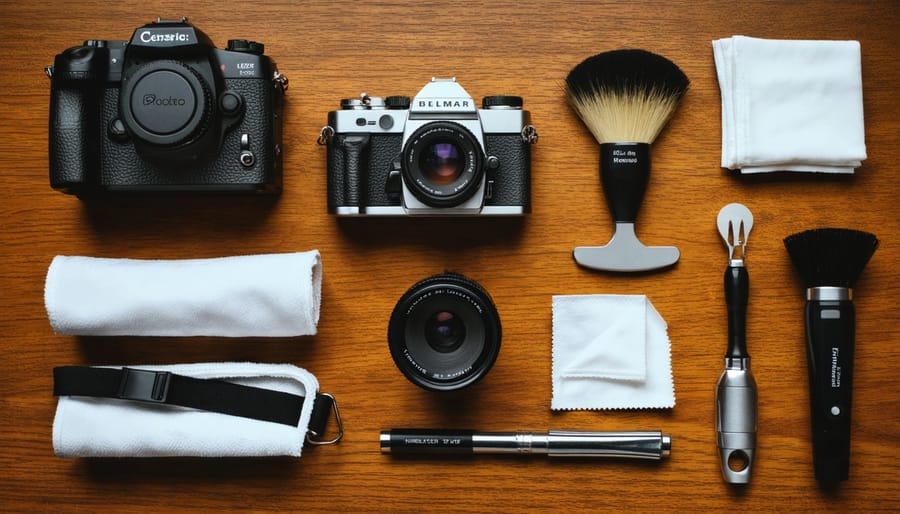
(625, 98)
(830, 260)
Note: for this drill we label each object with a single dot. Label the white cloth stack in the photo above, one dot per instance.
(610, 352)
(101, 427)
(275, 295)
(790, 105)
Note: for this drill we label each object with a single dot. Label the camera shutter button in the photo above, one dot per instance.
(397, 102)
(501, 102)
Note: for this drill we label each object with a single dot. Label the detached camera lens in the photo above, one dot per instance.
(444, 333)
(442, 164)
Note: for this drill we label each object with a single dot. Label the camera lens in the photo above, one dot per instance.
(444, 333)
(442, 164)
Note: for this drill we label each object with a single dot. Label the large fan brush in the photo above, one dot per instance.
(625, 97)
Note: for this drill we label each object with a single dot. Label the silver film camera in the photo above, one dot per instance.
(434, 155)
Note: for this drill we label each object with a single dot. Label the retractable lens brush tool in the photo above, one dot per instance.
(830, 260)
(736, 398)
(625, 97)
(647, 445)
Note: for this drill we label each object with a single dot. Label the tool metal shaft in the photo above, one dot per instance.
(652, 445)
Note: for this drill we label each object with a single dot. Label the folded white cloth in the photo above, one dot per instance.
(790, 105)
(101, 427)
(276, 295)
(610, 352)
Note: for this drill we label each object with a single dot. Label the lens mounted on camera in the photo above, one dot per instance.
(444, 333)
(442, 164)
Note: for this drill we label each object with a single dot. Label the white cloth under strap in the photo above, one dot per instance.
(104, 427)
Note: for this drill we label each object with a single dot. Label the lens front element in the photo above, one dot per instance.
(441, 163)
(445, 331)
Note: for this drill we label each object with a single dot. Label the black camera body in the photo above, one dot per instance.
(166, 111)
(434, 155)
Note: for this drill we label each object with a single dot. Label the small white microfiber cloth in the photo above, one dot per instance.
(610, 352)
(274, 295)
(101, 427)
(790, 105)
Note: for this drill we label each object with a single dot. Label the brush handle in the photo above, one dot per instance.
(624, 172)
(830, 327)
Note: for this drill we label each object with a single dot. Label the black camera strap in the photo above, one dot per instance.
(212, 395)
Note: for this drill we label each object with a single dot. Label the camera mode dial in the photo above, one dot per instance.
(166, 103)
(243, 45)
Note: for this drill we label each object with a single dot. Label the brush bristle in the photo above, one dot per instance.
(831, 256)
(626, 95)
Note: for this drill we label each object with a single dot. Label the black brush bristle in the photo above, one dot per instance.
(627, 71)
(831, 256)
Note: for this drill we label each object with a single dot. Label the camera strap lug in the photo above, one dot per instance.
(281, 80)
(325, 135)
(529, 134)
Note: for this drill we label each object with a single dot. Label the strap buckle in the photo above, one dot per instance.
(319, 418)
(144, 386)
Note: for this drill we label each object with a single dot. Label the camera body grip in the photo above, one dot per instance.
(74, 142)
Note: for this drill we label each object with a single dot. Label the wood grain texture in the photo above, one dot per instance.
(331, 50)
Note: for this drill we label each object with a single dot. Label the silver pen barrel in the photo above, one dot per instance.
(651, 445)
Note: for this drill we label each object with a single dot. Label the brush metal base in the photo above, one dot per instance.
(625, 252)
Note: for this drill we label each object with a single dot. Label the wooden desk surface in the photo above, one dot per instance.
(331, 50)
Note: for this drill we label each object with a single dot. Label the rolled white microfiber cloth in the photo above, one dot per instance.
(274, 295)
(103, 427)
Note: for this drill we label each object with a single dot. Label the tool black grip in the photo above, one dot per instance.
(830, 327)
(420, 441)
(624, 172)
(737, 290)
